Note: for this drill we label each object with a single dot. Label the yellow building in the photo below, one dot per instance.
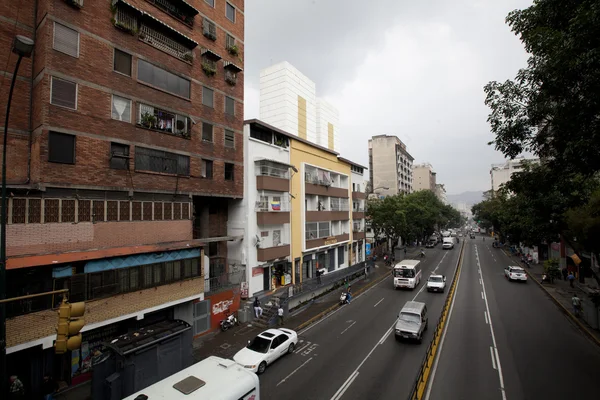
(321, 212)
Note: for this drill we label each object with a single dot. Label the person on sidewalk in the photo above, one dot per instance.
(576, 304)
(16, 389)
(564, 274)
(49, 387)
(257, 308)
(280, 315)
(571, 278)
(319, 277)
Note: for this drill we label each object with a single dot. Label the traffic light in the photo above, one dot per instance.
(70, 323)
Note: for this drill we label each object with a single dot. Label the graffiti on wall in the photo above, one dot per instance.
(221, 306)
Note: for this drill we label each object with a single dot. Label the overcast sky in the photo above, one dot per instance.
(414, 69)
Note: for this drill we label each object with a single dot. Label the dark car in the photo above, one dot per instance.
(430, 244)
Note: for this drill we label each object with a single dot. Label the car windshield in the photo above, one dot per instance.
(517, 271)
(259, 344)
(404, 273)
(408, 317)
(436, 279)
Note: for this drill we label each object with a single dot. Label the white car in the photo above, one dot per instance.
(436, 283)
(514, 273)
(265, 348)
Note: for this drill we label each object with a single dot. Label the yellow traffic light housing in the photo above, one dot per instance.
(70, 323)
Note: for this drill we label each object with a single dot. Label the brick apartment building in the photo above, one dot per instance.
(125, 148)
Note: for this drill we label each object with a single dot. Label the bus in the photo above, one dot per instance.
(407, 274)
(213, 378)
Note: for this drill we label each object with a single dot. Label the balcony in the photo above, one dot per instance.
(272, 175)
(322, 186)
(316, 216)
(272, 213)
(231, 71)
(154, 118)
(178, 9)
(359, 195)
(326, 241)
(360, 214)
(273, 253)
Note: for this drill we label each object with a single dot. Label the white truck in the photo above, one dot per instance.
(213, 378)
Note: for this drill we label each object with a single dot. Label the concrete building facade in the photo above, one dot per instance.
(424, 177)
(440, 192)
(501, 173)
(289, 102)
(125, 148)
(390, 166)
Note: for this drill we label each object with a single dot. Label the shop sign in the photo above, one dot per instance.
(330, 240)
(257, 271)
(244, 289)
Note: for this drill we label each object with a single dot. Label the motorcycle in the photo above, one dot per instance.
(228, 322)
(344, 299)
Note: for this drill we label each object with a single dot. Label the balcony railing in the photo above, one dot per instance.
(126, 20)
(165, 43)
(272, 170)
(230, 77)
(267, 206)
(223, 282)
(168, 7)
(339, 207)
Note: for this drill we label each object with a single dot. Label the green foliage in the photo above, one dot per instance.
(552, 269)
(551, 107)
(583, 223)
(411, 216)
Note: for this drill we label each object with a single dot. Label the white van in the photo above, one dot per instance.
(448, 243)
(407, 274)
(213, 378)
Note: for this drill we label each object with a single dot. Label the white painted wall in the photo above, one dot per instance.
(327, 113)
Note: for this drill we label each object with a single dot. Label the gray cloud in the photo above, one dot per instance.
(413, 69)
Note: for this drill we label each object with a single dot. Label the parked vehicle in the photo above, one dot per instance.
(228, 322)
(407, 274)
(412, 321)
(344, 298)
(436, 283)
(265, 348)
(211, 378)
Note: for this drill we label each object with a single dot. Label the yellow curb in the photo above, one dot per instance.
(426, 366)
(336, 305)
(558, 303)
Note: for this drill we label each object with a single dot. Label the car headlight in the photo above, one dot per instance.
(249, 366)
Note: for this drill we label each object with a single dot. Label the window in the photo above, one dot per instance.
(210, 2)
(161, 161)
(261, 135)
(119, 156)
(162, 79)
(61, 148)
(276, 238)
(162, 120)
(66, 40)
(121, 108)
(63, 93)
(229, 106)
(207, 96)
(207, 132)
(209, 29)
(323, 229)
(229, 171)
(207, 169)
(311, 230)
(229, 41)
(230, 12)
(122, 62)
(229, 138)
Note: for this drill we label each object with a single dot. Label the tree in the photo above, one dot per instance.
(387, 216)
(584, 223)
(551, 108)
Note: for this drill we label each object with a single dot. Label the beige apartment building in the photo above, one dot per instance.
(390, 166)
(424, 177)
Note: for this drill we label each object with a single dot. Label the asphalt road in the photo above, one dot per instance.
(353, 354)
(508, 340)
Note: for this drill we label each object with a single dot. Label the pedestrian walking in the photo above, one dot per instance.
(319, 277)
(571, 278)
(280, 315)
(49, 387)
(564, 274)
(16, 389)
(576, 304)
(349, 293)
(404, 251)
(257, 308)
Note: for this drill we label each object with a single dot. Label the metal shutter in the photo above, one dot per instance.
(66, 40)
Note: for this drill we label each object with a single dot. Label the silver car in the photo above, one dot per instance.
(412, 321)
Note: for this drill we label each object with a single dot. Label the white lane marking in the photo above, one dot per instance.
(350, 326)
(341, 308)
(441, 346)
(294, 371)
(480, 281)
(487, 307)
(378, 303)
(345, 386)
(482, 296)
(492, 355)
(486, 318)
(302, 348)
(386, 335)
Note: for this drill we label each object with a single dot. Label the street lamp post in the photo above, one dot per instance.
(23, 47)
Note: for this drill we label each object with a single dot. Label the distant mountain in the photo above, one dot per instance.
(469, 198)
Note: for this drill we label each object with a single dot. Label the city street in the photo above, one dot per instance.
(353, 354)
(508, 340)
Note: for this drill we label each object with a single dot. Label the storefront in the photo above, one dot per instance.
(326, 260)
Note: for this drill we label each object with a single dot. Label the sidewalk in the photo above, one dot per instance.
(561, 292)
(226, 344)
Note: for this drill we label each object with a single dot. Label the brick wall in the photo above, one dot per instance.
(34, 326)
(24, 239)
(92, 123)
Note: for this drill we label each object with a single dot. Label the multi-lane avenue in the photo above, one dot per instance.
(353, 353)
(503, 340)
(507, 340)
